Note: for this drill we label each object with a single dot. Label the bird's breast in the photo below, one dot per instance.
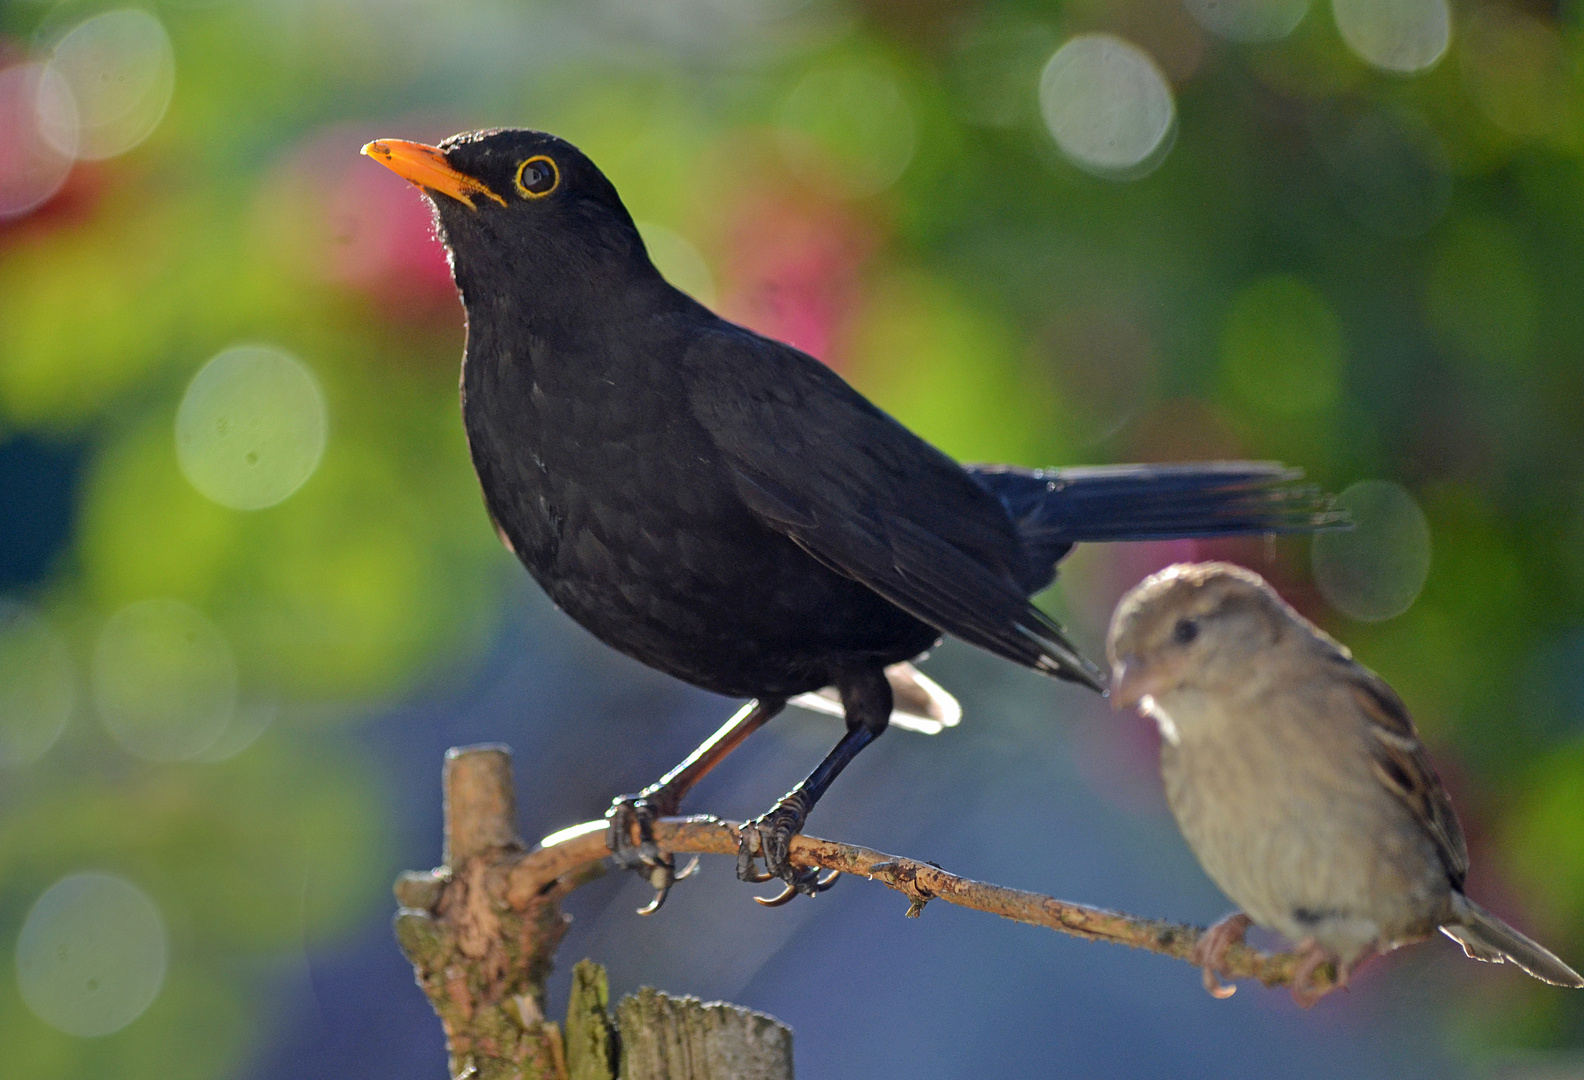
(1296, 837)
(618, 503)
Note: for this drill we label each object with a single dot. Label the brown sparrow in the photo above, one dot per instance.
(1298, 780)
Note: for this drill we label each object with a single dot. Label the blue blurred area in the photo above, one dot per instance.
(867, 991)
(38, 488)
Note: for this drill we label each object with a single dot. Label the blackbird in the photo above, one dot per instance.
(725, 508)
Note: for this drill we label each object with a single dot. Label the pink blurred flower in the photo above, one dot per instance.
(32, 169)
(364, 228)
(792, 268)
(381, 238)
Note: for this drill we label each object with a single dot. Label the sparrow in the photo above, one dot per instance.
(726, 508)
(1298, 780)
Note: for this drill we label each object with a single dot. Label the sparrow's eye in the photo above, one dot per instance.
(1185, 631)
(537, 177)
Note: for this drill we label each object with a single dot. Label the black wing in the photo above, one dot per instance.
(855, 489)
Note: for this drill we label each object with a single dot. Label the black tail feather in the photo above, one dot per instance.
(1057, 508)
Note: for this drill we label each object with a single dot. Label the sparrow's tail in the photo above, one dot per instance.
(1485, 937)
(1057, 508)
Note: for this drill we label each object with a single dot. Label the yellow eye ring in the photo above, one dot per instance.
(539, 181)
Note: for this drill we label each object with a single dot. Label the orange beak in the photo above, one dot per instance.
(426, 166)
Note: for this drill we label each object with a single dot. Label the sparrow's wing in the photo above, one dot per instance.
(1403, 767)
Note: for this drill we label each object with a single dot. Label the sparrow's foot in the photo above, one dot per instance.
(1209, 952)
(644, 858)
(770, 838)
(1304, 991)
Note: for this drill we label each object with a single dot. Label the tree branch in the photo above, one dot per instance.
(577, 849)
(482, 930)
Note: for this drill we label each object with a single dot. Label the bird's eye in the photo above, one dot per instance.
(1185, 631)
(537, 177)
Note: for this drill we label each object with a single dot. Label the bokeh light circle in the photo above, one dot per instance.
(38, 687)
(249, 720)
(251, 427)
(679, 261)
(164, 680)
(1107, 106)
(848, 128)
(121, 71)
(92, 954)
(1376, 570)
(1248, 20)
(1395, 35)
(33, 167)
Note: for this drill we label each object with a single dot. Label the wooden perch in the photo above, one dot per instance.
(482, 930)
(572, 850)
(483, 958)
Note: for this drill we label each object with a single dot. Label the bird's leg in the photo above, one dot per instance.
(1304, 992)
(1345, 971)
(1209, 952)
(866, 701)
(664, 797)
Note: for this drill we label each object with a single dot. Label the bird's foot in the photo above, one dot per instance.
(770, 838)
(644, 858)
(1209, 952)
(1304, 991)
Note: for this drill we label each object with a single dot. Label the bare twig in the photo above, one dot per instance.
(482, 930)
(574, 850)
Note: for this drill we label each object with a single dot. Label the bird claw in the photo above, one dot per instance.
(1305, 993)
(662, 877)
(808, 881)
(645, 857)
(770, 838)
(1209, 952)
(625, 812)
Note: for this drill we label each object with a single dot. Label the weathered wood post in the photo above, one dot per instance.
(658, 1037)
(482, 950)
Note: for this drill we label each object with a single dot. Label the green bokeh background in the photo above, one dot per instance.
(1369, 275)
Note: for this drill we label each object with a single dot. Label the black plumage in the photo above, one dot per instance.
(727, 509)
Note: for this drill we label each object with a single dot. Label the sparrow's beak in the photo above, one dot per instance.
(427, 167)
(1131, 682)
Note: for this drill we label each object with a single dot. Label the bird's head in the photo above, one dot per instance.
(1192, 625)
(525, 201)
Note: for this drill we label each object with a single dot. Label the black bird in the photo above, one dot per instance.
(726, 508)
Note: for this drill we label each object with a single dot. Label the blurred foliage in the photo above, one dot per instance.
(1366, 274)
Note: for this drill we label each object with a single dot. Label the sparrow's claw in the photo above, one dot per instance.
(770, 838)
(1304, 991)
(1209, 952)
